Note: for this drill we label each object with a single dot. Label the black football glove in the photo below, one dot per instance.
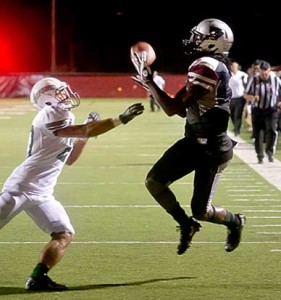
(131, 112)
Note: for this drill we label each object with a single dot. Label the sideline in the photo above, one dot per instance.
(246, 152)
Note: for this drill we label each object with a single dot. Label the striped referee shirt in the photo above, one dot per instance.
(268, 91)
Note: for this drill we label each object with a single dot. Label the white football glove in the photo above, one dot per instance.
(93, 116)
(138, 79)
(144, 73)
(138, 59)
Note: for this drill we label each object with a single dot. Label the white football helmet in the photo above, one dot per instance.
(210, 35)
(53, 92)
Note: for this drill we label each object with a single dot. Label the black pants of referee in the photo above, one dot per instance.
(236, 113)
(265, 124)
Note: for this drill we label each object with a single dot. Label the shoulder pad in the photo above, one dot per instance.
(209, 62)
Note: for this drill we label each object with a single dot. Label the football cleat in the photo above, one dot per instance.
(270, 158)
(234, 234)
(44, 283)
(187, 232)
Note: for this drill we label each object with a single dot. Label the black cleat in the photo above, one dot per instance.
(234, 234)
(44, 283)
(270, 158)
(186, 234)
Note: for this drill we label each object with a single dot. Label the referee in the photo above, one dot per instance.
(264, 92)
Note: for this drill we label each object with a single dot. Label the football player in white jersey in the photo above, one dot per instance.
(205, 148)
(31, 185)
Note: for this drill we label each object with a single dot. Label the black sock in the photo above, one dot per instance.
(39, 270)
(180, 215)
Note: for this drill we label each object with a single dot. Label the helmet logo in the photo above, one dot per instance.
(215, 33)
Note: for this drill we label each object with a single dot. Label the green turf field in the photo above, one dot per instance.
(125, 244)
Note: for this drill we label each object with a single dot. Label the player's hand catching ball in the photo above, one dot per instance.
(142, 56)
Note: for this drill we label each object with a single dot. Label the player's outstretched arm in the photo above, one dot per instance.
(80, 143)
(93, 127)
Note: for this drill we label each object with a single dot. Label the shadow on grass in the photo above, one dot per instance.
(16, 290)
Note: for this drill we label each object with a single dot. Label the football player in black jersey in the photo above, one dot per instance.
(205, 148)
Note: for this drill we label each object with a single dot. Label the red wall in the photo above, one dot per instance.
(121, 86)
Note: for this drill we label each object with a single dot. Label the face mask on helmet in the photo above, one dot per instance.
(210, 35)
(53, 92)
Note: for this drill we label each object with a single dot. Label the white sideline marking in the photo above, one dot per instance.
(135, 242)
(262, 211)
(109, 183)
(269, 171)
(269, 233)
(257, 200)
(264, 217)
(117, 183)
(141, 243)
(244, 190)
(267, 225)
(158, 206)
(251, 195)
(12, 113)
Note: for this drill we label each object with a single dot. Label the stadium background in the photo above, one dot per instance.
(96, 38)
(88, 86)
(88, 45)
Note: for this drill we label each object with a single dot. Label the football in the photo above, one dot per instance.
(144, 46)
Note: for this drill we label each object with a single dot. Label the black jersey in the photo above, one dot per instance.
(209, 115)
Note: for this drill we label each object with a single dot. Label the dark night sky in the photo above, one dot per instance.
(98, 39)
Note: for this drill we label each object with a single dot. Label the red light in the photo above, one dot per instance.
(24, 39)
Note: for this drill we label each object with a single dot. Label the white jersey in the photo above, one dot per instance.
(237, 83)
(46, 154)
